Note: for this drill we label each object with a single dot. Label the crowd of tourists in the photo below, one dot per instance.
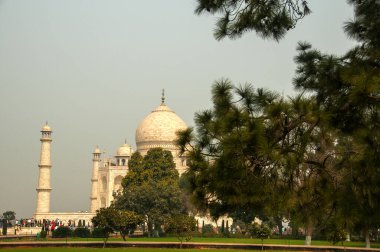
(47, 225)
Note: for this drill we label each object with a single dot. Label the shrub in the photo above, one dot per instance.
(62, 232)
(43, 234)
(260, 231)
(98, 233)
(207, 229)
(82, 232)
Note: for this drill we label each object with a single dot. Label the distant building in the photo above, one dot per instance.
(158, 129)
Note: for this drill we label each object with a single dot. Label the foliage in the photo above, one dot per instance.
(9, 215)
(256, 154)
(347, 89)
(270, 19)
(182, 226)
(207, 229)
(337, 235)
(62, 232)
(261, 231)
(151, 188)
(98, 233)
(313, 158)
(82, 232)
(113, 220)
(43, 234)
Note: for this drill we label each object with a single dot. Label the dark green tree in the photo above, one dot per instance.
(182, 226)
(5, 219)
(270, 19)
(224, 160)
(151, 188)
(256, 154)
(114, 220)
(261, 231)
(9, 215)
(347, 89)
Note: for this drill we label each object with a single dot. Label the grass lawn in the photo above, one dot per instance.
(118, 249)
(237, 240)
(220, 240)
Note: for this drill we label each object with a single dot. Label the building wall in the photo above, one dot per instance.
(110, 178)
(65, 217)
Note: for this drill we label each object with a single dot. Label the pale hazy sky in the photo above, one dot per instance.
(94, 69)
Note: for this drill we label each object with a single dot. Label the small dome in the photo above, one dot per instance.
(97, 150)
(124, 150)
(46, 127)
(159, 128)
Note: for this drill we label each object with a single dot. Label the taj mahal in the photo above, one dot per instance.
(157, 129)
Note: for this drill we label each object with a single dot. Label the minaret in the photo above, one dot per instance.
(44, 188)
(94, 181)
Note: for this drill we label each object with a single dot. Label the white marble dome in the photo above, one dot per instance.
(159, 129)
(124, 150)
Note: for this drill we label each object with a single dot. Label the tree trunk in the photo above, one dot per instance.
(278, 221)
(348, 239)
(366, 236)
(150, 229)
(308, 232)
(105, 241)
(5, 227)
(123, 234)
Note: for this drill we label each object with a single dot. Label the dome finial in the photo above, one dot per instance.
(163, 97)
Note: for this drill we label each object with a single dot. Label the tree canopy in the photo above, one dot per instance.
(9, 215)
(255, 152)
(113, 220)
(182, 226)
(347, 89)
(313, 158)
(270, 19)
(151, 188)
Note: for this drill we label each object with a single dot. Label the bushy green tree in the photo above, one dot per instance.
(261, 231)
(182, 226)
(151, 188)
(111, 220)
(256, 154)
(5, 219)
(9, 215)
